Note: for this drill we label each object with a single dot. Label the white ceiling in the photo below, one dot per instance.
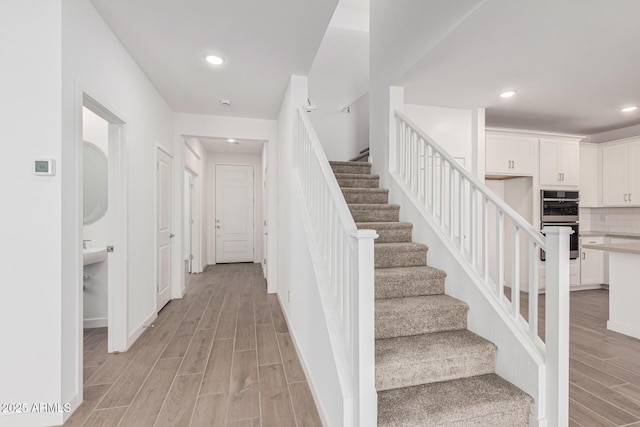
(222, 145)
(574, 63)
(264, 42)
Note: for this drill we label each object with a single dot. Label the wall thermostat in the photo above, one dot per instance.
(45, 167)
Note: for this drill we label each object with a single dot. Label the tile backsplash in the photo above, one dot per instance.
(615, 220)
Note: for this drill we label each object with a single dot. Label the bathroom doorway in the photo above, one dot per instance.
(103, 203)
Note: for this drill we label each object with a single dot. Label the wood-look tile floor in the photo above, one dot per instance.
(220, 356)
(604, 366)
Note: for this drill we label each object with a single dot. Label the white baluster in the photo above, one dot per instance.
(515, 282)
(500, 253)
(533, 289)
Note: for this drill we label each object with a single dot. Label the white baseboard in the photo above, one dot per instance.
(74, 403)
(140, 329)
(31, 419)
(101, 322)
(314, 392)
(624, 328)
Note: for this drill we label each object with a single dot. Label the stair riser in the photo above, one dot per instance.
(386, 259)
(366, 198)
(408, 375)
(361, 169)
(358, 183)
(403, 324)
(394, 235)
(407, 287)
(375, 215)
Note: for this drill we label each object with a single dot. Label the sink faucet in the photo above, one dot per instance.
(84, 244)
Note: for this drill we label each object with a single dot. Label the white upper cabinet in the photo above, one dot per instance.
(558, 163)
(590, 173)
(508, 155)
(620, 175)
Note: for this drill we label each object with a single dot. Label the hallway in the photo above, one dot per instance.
(220, 356)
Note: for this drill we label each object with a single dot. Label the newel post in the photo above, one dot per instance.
(365, 329)
(557, 325)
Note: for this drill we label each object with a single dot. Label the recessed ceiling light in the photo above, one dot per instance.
(232, 141)
(214, 59)
(629, 109)
(507, 94)
(225, 102)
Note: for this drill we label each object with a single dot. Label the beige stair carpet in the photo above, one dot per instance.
(430, 370)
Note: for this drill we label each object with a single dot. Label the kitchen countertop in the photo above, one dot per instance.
(609, 234)
(626, 248)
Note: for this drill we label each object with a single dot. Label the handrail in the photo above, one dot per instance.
(343, 263)
(508, 210)
(505, 254)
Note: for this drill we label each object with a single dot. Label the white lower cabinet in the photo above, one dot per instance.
(574, 274)
(591, 262)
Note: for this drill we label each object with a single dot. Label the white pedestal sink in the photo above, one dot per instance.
(93, 255)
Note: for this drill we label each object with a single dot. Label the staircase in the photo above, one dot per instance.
(430, 370)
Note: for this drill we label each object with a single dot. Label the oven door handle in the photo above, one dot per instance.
(560, 200)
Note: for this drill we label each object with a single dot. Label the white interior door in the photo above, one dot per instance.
(234, 214)
(164, 224)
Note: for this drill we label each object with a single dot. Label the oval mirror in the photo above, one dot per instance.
(95, 182)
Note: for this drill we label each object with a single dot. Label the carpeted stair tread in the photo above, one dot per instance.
(384, 225)
(367, 212)
(401, 317)
(400, 254)
(348, 163)
(429, 358)
(366, 195)
(351, 167)
(397, 282)
(357, 180)
(389, 232)
(485, 400)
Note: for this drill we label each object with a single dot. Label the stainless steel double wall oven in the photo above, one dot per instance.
(560, 208)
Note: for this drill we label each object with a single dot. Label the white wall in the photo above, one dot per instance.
(343, 134)
(254, 160)
(297, 286)
(451, 128)
(30, 258)
(94, 61)
(95, 278)
(200, 125)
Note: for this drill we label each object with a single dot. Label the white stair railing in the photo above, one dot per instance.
(344, 266)
(483, 232)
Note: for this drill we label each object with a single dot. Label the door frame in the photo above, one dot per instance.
(253, 211)
(117, 301)
(172, 286)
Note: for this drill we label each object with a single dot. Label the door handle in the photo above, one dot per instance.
(629, 196)
(625, 197)
(171, 236)
(217, 226)
(583, 255)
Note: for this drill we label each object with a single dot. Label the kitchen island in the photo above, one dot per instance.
(624, 286)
